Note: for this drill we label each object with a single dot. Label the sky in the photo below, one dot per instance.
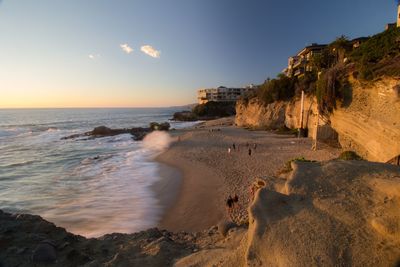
(153, 53)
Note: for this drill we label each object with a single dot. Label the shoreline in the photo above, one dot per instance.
(194, 195)
(209, 174)
(167, 188)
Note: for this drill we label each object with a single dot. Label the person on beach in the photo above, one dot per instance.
(255, 146)
(229, 205)
(249, 151)
(235, 202)
(229, 150)
(234, 146)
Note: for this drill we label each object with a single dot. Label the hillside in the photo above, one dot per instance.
(356, 101)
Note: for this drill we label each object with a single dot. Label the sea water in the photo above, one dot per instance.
(90, 187)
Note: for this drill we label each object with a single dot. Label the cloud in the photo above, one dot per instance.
(149, 50)
(93, 56)
(126, 48)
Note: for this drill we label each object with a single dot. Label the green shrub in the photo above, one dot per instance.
(281, 88)
(333, 86)
(349, 155)
(288, 165)
(376, 53)
(380, 46)
(306, 83)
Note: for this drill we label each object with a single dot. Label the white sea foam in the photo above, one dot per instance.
(90, 187)
(157, 141)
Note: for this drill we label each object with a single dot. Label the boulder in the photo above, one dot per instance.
(155, 126)
(45, 253)
(185, 116)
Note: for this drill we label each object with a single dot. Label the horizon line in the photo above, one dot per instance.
(3, 108)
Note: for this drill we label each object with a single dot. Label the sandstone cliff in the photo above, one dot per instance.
(368, 123)
(254, 114)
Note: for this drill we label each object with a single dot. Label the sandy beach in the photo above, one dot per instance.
(209, 174)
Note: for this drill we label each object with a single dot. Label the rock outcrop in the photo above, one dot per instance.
(184, 116)
(337, 213)
(138, 133)
(340, 213)
(255, 114)
(368, 123)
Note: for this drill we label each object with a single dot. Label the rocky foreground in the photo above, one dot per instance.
(336, 213)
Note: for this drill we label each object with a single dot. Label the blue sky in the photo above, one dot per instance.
(70, 53)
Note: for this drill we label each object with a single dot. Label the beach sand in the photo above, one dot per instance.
(210, 174)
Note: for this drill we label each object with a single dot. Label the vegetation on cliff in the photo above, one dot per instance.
(329, 81)
(380, 55)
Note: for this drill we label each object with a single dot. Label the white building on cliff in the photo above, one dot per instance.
(222, 94)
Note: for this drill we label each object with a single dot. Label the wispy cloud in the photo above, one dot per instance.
(126, 48)
(149, 50)
(93, 56)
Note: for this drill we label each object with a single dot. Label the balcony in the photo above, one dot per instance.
(297, 63)
(298, 72)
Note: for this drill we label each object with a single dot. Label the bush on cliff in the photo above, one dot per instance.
(378, 53)
(332, 86)
(281, 88)
(349, 155)
(214, 109)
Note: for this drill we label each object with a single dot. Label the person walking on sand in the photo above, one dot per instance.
(234, 146)
(229, 150)
(249, 151)
(255, 146)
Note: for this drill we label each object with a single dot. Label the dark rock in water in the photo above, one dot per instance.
(105, 131)
(185, 116)
(154, 126)
(138, 133)
(45, 252)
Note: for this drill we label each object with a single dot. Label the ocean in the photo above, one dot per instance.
(89, 187)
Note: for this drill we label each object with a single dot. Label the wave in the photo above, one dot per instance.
(19, 164)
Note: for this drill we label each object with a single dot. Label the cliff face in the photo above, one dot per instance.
(369, 124)
(255, 115)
